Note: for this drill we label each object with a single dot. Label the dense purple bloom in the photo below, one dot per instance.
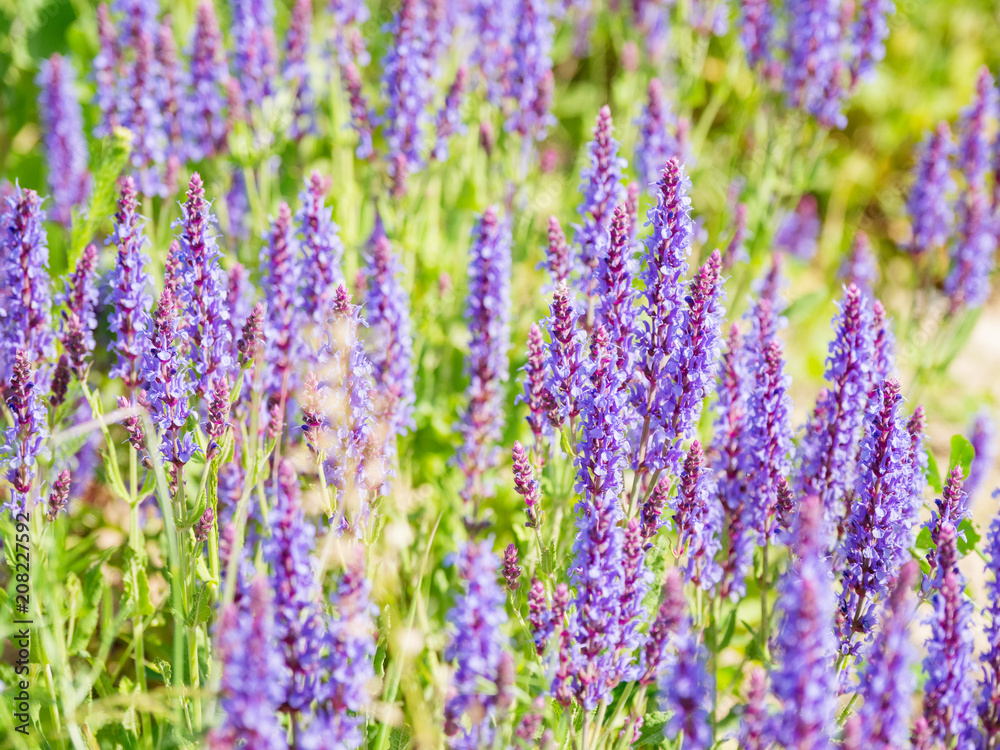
(205, 288)
(167, 382)
(656, 141)
(631, 610)
(140, 106)
(829, 445)
(973, 148)
(860, 266)
(698, 519)
(106, 66)
(883, 346)
(476, 645)
(251, 686)
(798, 232)
(255, 57)
(529, 78)
(557, 259)
(319, 238)
(487, 312)
(871, 29)
(564, 359)
(135, 16)
(25, 288)
(814, 70)
(204, 123)
(929, 203)
(296, 69)
(24, 441)
(757, 21)
(280, 284)
(407, 83)
(688, 692)
(983, 436)
(951, 508)
(663, 306)
(389, 342)
(65, 146)
(804, 680)
(348, 669)
(493, 28)
(602, 188)
(888, 683)
(989, 686)
(597, 551)
(218, 413)
(297, 626)
(878, 528)
(449, 118)
(972, 252)
(239, 300)
(536, 393)
(525, 484)
(948, 690)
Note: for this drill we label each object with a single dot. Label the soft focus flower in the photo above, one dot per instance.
(476, 644)
(349, 16)
(319, 239)
(296, 69)
(870, 30)
(983, 436)
(449, 117)
(972, 252)
(487, 312)
(255, 56)
(204, 104)
(65, 145)
(798, 233)
(929, 204)
(105, 74)
(989, 686)
(754, 723)
(973, 148)
(669, 618)
(656, 141)
(687, 691)
(80, 316)
(860, 266)
(170, 101)
(529, 79)
(140, 106)
(282, 273)
(804, 680)
(814, 69)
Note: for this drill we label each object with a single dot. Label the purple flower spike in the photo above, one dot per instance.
(754, 723)
(878, 529)
(688, 693)
(951, 508)
(218, 413)
(983, 436)
(204, 106)
(665, 265)
(948, 690)
(362, 118)
(972, 253)
(389, 343)
(80, 316)
(526, 485)
(804, 680)
(343, 694)
(798, 233)
(493, 28)
(529, 77)
(407, 84)
(869, 33)
(557, 260)
(973, 148)
(539, 616)
(288, 553)
(349, 16)
(601, 185)
(757, 20)
(597, 552)
(814, 70)
(296, 69)
(511, 572)
(59, 497)
(255, 56)
(929, 204)
(65, 146)
(25, 288)
(888, 683)
(105, 74)
(319, 238)
(698, 519)
(476, 645)
(282, 275)
(24, 442)
(166, 380)
(251, 337)
(829, 446)
(631, 612)
(669, 618)
(693, 370)
(449, 118)
(656, 142)
(615, 310)
(989, 686)
(169, 85)
(143, 116)
(251, 685)
(487, 312)
(860, 266)
(205, 288)
(536, 394)
(883, 345)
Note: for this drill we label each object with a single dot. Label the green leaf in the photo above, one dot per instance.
(399, 738)
(924, 540)
(962, 454)
(89, 603)
(933, 474)
(968, 537)
(162, 668)
(729, 630)
(652, 729)
(201, 608)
